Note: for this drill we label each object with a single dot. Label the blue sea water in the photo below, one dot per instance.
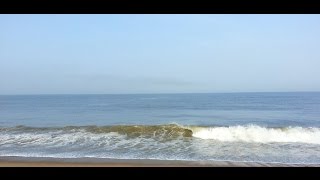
(260, 127)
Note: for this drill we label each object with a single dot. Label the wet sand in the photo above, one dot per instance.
(99, 162)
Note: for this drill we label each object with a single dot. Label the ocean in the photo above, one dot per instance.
(246, 127)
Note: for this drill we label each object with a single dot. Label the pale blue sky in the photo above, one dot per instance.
(84, 54)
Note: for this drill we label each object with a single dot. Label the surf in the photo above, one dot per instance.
(258, 134)
(247, 133)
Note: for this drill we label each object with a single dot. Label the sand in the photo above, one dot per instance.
(97, 162)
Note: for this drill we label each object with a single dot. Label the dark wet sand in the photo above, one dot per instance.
(99, 162)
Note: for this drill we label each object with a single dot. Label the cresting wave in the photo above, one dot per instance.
(170, 130)
(257, 134)
(250, 133)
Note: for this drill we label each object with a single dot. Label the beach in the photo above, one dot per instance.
(96, 162)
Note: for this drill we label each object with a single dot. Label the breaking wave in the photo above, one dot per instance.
(259, 134)
(250, 133)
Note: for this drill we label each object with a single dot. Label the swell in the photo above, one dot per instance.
(169, 130)
(249, 133)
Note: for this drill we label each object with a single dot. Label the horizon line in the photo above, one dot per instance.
(159, 93)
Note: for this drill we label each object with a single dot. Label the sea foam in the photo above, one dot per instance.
(258, 134)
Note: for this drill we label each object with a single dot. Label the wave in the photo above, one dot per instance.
(249, 133)
(258, 134)
(169, 130)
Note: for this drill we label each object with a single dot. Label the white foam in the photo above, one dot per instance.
(56, 138)
(259, 134)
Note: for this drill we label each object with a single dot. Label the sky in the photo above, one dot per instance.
(115, 54)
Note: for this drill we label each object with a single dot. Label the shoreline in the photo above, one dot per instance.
(14, 161)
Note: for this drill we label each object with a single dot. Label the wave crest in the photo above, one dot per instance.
(258, 134)
(250, 133)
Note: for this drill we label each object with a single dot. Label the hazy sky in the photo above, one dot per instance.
(54, 54)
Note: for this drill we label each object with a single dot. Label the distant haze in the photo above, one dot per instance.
(87, 54)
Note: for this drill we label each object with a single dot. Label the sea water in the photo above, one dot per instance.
(255, 127)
